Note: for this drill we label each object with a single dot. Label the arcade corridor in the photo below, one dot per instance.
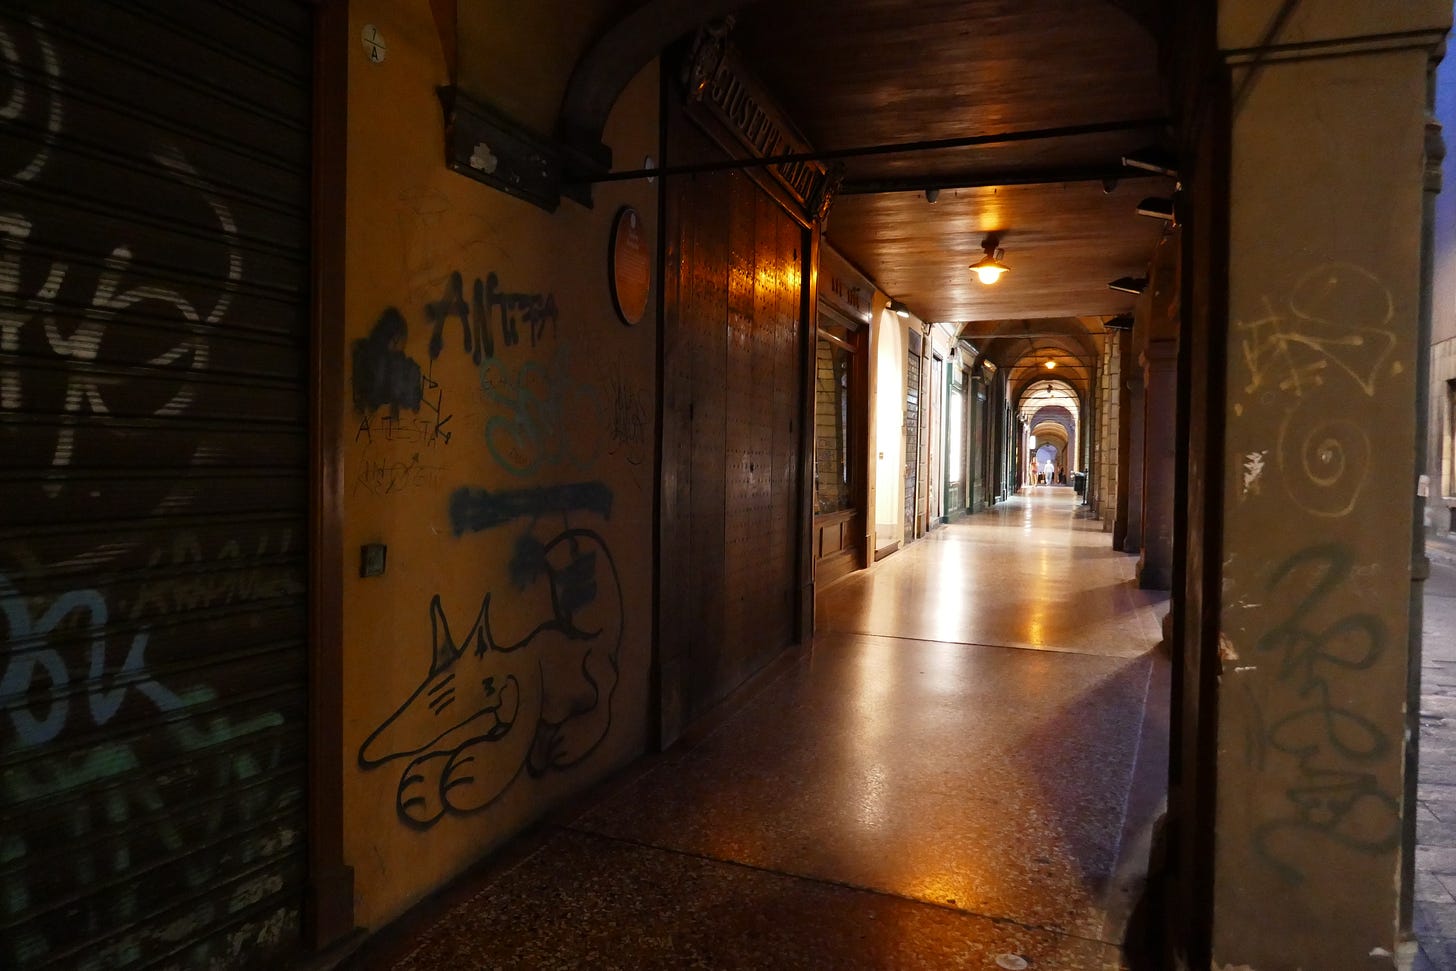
(963, 767)
(560, 466)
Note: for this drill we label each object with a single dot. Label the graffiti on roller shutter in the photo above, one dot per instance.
(124, 768)
(62, 312)
(108, 814)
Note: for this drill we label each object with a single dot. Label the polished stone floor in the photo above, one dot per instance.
(960, 773)
(1435, 903)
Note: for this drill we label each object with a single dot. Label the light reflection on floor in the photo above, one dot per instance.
(965, 764)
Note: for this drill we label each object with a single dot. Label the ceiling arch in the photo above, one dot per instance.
(603, 71)
(1033, 396)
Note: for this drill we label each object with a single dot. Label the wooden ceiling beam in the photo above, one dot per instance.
(1013, 136)
(983, 180)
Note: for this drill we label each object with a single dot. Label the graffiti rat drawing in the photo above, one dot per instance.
(488, 711)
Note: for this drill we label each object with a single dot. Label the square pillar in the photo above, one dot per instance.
(1132, 541)
(1160, 388)
(1305, 587)
(1125, 445)
(1107, 427)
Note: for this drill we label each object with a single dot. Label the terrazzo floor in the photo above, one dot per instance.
(961, 772)
(1435, 887)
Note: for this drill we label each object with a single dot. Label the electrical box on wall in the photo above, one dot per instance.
(371, 559)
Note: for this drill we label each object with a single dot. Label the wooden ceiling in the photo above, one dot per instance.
(871, 72)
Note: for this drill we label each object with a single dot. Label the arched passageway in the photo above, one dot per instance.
(657, 364)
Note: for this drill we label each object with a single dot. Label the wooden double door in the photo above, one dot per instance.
(732, 502)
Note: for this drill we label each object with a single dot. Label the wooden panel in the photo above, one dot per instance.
(767, 281)
(1064, 243)
(997, 64)
(741, 548)
(831, 536)
(675, 546)
(789, 334)
(730, 469)
(853, 73)
(706, 314)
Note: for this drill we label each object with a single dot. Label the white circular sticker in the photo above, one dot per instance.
(373, 43)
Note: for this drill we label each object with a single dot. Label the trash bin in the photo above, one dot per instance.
(1079, 483)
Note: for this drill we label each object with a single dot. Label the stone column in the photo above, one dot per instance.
(1125, 445)
(1114, 403)
(1132, 541)
(1309, 568)
(1107, 431)
(1160, 388)
(1094, 478)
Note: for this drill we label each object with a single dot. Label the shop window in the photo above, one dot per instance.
(955, 461)
(834, 443)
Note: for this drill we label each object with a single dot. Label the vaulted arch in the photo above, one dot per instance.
(604, 70)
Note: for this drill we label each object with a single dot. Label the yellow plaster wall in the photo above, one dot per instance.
(557, 436)
(518, 56)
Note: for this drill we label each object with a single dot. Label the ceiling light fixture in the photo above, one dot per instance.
(1051, 365)
(1120, 322)
(899, 309)
(1128, 284)
(988, 268)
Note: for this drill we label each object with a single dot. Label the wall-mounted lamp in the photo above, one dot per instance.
(1128, 284)
(898, 309)
(988, 268)
(1157, 207)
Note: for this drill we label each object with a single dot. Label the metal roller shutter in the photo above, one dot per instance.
(154, 206)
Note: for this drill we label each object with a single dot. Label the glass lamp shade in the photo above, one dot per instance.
(988, 269)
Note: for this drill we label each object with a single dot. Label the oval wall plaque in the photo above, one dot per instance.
(630, 266)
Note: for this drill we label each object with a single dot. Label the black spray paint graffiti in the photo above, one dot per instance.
(1334, 801)
(385, 377)
(473, 510)
(488, 709)
(490, 307)
(388, 477)
(628, 431)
